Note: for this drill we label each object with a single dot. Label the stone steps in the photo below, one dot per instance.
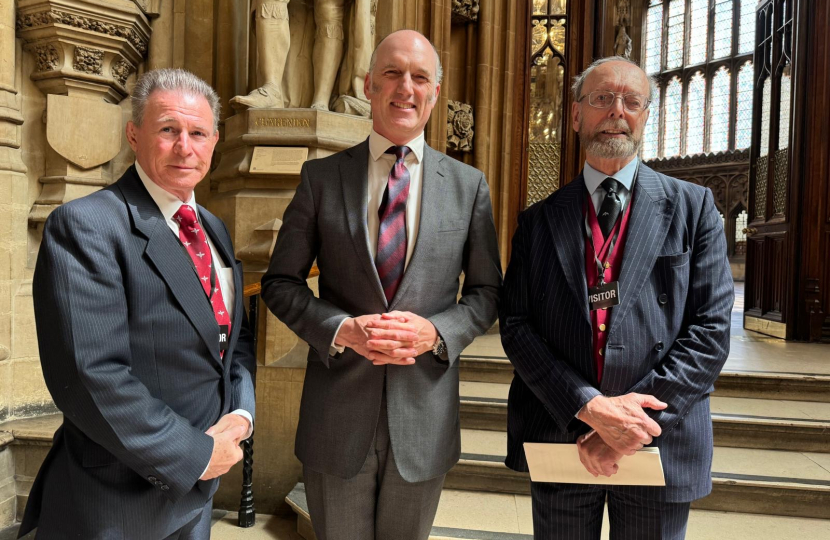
(497, 516)
(795, 484)
(738, 422)
(731, 383)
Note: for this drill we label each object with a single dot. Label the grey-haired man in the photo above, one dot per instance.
(144, 342)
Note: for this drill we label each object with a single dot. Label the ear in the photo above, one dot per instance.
(437, 90)
(367, 85)
(131, 134)
(575, 112)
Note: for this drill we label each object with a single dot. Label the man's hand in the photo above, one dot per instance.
(390, 343)
(597, 457)
(425, 332)
(621, 422)
(227, 433)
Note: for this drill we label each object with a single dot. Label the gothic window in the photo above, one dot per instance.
(700, 53)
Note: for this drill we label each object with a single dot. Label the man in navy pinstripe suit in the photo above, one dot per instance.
(134, 289)
(615, 315)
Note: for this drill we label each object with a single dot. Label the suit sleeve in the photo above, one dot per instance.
(83, 333)
(697, 355)
(477, 309)
(284, 286)
(243, 366)
(561, 389)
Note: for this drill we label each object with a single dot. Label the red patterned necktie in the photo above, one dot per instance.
(391, 254)
(194, 240)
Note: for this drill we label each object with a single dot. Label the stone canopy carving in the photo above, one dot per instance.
(331, 77)
(459, 126)
(464, 11)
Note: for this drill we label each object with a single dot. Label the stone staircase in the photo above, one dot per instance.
(771, 470)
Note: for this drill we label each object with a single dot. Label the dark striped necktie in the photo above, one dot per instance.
(611, 206)
(391, 254)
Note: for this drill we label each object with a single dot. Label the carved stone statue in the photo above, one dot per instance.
(280, 73)
(622, 43)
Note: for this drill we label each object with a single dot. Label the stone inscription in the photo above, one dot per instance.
(282, 122)
(278, 160)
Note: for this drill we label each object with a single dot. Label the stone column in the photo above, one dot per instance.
(85, 51)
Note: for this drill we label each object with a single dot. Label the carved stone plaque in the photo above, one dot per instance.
(86, 132)
(278, 160)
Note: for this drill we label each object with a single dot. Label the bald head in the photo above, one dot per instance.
(408, 39)
(613, 67)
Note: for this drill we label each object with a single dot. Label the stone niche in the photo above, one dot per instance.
(257, 175)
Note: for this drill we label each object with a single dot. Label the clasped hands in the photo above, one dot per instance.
(227, 434)
(389, 338)
(620, 428)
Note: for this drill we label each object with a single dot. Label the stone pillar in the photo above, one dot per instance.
(85, 50)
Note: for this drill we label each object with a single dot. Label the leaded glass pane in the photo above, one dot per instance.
(743, 127)
(537, 36)
(547, 92)
(746, 32)
(654, 32)
(672, 111)
(695, 101)
(676, 29)
(766, 102)
(723, 28)
(651, 135)
(740, 225)
(557, 35)
(719, 119)
(784, 115)
(540, 7)
(558, 7)
(699, 13)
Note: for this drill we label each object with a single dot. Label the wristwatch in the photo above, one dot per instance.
(439, 348)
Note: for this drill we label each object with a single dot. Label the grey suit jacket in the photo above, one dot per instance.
(669, 337)
(129, 347)
(341, 400)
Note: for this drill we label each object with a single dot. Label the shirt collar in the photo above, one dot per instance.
(378, 145)
(168, 203)
(625, 176)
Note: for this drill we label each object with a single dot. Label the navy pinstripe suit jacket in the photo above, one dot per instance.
(129, 347)
(669, 337)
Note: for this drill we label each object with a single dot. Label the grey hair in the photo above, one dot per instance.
(172, 80)
(579, 80)
(439, 69)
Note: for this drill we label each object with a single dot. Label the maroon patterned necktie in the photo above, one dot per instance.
(195, 242)
(391, 254)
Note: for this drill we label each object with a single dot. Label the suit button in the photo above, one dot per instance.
(602, 328)
(663, 299)
(152, 479)
(601, 352)
(659, 346)
(164, 487)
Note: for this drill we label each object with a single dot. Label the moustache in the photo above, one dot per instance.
(611, 125)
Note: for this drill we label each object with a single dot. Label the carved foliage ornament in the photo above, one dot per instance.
(464, 11)
(459, 126)
(43, 18)
(88, 60)
(121, 69)
(47, 58)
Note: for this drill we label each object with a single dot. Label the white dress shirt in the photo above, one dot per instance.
(169, 204)
(380, 165)
(594, 180)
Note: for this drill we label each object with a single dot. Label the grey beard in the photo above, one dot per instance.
(612, 148)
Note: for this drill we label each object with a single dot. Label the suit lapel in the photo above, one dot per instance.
(565, 219)
(430, 211)
(354, 174)
(651, 213)
(172, 262)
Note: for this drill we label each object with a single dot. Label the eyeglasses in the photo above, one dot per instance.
(603, 99)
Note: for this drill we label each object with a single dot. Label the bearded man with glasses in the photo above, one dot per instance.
(616, 317)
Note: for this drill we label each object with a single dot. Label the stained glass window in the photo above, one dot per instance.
(743, 127)
(723, 28)
(706, 45)
(671, 132)
(784, 119)
(650, 135)
(699, 30)
(654, 35)
(746, 40)
(676, 25)
(695, 106)
(719, 123)
(766, 102)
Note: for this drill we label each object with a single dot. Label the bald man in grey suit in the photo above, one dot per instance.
(391, 234)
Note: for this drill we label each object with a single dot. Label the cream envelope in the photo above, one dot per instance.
(560, 463)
